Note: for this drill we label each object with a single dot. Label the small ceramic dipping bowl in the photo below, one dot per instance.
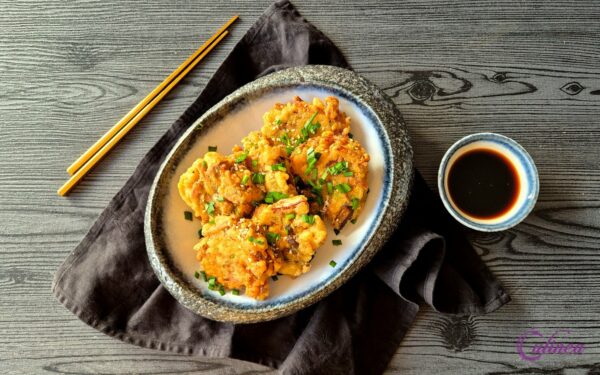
(526, 192)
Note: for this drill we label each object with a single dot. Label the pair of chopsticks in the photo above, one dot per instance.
(98, 150)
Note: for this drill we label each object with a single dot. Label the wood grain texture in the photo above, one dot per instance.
(530, 70)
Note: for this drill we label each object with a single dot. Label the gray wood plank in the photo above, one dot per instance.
(530, 70)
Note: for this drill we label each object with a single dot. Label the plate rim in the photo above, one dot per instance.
(397, 139)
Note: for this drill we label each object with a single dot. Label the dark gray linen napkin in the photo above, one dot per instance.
(108, 283)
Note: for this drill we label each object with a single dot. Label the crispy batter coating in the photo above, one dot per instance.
(293, 123)
(238, 255)
(334, 169)
(292, 232)
(217, 185)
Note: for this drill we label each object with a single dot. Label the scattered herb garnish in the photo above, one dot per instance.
(309, 128)
(355, 203)
(219, 198)
(311, 158)
(244, 180)
(348, 174)
(339, 167)
(204, 164)
(272, 238)
(204, 277)
(212, 148)
(188, 215)
(329, 188)
(343, 188)
(210, 208)
(336, 242)
(278, 121)
(309, 219)
(260, 242)
(241, 157)
(278, 167)
(212, 221)
(258, 178)
(274, 196)
(332, 263)
(290, 216)
(251, 239)
(212, 281)
(235, 292)
(197, 275)
(222, 290)
(254, 163)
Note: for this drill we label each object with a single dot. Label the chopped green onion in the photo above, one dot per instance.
(212, 281)
(278, 121)
(348, 174)
(274, 277)
(311, 158)
(212, 287)
(339, 167)
(245, 179)
(343, 188)
(355, 203)
(353, 221)
(289, 150)
(272, 238)
(278, 167)
(196, 275)
(204, 277)
(204, 165)
(329, 188)
(241, 157)
(332, 263)
(274, 196)
(212, 221)
(336, 242)
(290, 216)
(200, 235)
(260, 242)
(219, 198)
(212, 148)
(235, 292)
(258, 178)
(210, 208)
(188, 215)
(324, 175)
(251, 239)
(222, 290)
(309, 219)
(254, 163)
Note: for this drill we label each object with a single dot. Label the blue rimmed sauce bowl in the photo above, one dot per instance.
(526, 176)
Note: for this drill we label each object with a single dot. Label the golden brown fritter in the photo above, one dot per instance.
(292, 232)
(238, 255)
(334, 169)
(218, 185)
(269, 162)
(293, 123)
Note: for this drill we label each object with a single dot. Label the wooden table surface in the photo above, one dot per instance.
(529, 70)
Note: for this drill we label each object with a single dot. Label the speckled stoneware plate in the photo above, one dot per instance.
(376, 123)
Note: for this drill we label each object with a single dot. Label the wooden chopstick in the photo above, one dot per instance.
(135, 110)
(81, 172)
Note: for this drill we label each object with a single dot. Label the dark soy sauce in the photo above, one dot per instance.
(483, 183)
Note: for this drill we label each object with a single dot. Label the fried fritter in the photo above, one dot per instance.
(334, 169)
(218, 185)
(238, 255)
(268, 161)
(292, 232)
(293, 123)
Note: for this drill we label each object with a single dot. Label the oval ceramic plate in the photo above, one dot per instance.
(376, 124)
